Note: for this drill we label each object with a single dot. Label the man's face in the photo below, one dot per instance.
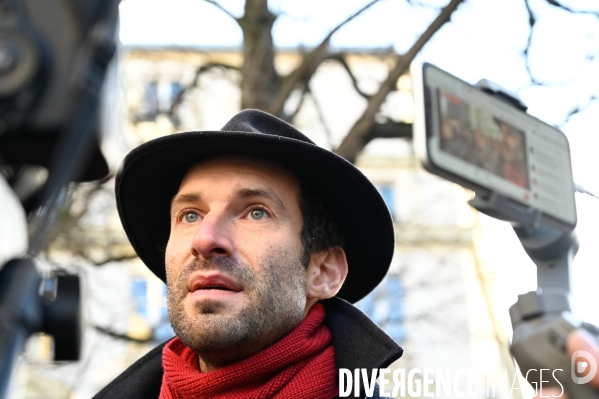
(234, 277)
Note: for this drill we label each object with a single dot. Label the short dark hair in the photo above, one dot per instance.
(319, 231)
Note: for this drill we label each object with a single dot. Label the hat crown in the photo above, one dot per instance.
(255, 121)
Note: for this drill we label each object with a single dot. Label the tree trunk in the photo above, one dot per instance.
(259, 83)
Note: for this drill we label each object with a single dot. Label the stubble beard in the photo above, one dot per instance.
(274, 305)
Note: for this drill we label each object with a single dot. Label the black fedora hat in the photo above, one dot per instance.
(150, 176)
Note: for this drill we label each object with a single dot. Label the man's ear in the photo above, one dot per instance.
(326, 273)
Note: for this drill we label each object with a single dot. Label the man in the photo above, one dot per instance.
(264, 239)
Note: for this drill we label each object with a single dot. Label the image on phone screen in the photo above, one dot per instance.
(488, 145)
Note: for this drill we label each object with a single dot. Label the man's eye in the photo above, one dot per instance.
(191, 217)
(257, 214)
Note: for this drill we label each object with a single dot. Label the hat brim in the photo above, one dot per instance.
(151, 174)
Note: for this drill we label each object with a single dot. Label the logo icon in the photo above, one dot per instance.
(579, 367)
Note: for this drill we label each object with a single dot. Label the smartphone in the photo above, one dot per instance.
(488, 145)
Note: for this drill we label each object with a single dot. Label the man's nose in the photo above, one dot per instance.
(212, 238)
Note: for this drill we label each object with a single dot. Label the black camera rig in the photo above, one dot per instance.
(54, 56)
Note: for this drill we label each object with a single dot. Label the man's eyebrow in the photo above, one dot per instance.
(251, 192)
(242, 193)
(184, 198)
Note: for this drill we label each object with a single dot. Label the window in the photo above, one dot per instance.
(386, 191)
(139, 288)
(148, 109)
(151, 308)
(163, 330)
(384, 306)
(158, 99)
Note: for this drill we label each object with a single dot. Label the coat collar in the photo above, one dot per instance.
(358, 341)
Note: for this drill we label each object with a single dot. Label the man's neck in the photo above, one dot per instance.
(218, 359)
(211, 361)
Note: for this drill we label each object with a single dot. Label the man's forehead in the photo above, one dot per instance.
(242, 172)
(241, 164)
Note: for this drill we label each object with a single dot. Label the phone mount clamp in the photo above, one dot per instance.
(541, 319)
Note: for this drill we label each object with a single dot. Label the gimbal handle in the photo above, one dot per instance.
(541, 322)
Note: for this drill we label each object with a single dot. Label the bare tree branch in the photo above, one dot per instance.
(340, 58)
(110, 259)
(223, 9)
(555, 3)
(422, 4)
(390, 130)
(578, 109)
(354, 141)
(323, 122)
(204, 68)
(531, 22)
(526, 52)
(125, 337)
(292, 116)
(309, 64)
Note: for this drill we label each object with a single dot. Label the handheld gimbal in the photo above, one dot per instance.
(541, 319)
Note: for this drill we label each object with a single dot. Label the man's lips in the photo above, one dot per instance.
(202, 282)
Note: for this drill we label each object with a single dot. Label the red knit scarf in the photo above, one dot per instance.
(300, 365)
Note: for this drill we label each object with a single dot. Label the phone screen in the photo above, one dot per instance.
(491, 144)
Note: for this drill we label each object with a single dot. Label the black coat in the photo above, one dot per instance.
(358, 343)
